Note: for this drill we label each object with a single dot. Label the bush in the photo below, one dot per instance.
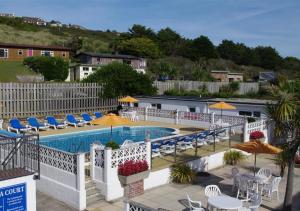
(234, 86)
(182, 173)
(232, 157)
(52, 68)
(112, 144)
(257, 135)
(131, 167)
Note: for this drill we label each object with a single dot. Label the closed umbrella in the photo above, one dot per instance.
(222, 106)
(257, 147)
(111, 120)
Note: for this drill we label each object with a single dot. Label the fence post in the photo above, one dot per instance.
(126, 205)
(146, 113)
(92, 160)
(176, 116)
(245, 133)
(212, 118)
(107, 170)
(148, 158)
(81, 180)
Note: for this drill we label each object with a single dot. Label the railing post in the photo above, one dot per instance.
(146, 113)
(176, 116)
(126, 205)
(245, 133)
(212, 118)
(107, 170)
(148, 158)
(81, 180)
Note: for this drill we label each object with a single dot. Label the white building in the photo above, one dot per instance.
(245, 107)
(89, 62)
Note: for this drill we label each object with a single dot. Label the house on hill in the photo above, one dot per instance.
(34, 20)
(90, 62)
(7, 15)
(18, 52)
(226, 76)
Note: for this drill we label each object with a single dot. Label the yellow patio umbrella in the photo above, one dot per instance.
(111, 120)
(223, 106)
(128, 99)
(257, 147)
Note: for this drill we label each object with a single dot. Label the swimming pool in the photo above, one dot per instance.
(81, 141)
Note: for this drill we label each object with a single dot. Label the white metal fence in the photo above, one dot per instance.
(41, 99)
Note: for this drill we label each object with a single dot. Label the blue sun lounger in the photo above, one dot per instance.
(86, 118)
(34, 124)
(71, 120)
(52, 122)
(17, 127)
(8, 134)
(98, 114)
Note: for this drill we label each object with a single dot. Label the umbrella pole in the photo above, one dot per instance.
(111, 132)
(221, 117)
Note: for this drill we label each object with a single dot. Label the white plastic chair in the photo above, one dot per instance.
(243, 189)
(255, 202)
(264, 174)
(212, 190)
(194, 205)
(272, 187)
(235, 178)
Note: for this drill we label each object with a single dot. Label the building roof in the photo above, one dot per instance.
(209, 99)
(41, 47)
(104, 55)
(219, 71)
(235, 74)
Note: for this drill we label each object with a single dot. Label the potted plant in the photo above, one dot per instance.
(133, 171)
(182, 173)
(232, 157)
(257, 135)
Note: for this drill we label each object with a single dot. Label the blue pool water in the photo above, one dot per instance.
(81, 141)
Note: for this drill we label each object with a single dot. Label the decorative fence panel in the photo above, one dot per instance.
(203, 117)
(212, 87)
(161, 113)
(41, 99)
(233, 120)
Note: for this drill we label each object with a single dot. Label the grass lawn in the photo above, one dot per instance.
(9, 71)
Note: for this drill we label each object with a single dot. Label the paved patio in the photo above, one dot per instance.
(173, 196)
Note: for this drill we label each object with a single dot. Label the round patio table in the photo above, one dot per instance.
(225, 202)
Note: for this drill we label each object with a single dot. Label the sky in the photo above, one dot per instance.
(254, 22)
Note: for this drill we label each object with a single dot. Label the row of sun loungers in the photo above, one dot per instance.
(166, 147)
(51, 122)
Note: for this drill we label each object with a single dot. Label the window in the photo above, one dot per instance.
(20, 52)
(192, 109)
(86, 74)
(126, 61)
(136, 104)
(245, 113)
(47, 53)
(85, 68)
(94, 69)
(63, 54)
(3, 53)
(157, 106)
(98, 59)
(256, 114)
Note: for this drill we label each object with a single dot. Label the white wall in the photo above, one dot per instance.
(30, 189)
(63, 185)
(201, 106)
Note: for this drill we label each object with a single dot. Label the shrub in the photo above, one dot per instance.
(112, 144)
(232, 157)
(131, 167)
(182, 173)
(234, 86)
(52, 68)
(257, 135)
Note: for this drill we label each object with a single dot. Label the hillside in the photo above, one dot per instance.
(9, 71)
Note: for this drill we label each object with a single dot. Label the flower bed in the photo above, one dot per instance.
(257, 135)
(131, 167)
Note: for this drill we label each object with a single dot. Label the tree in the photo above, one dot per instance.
(142, 47)
(139, 31)
(75, 43)
(169, 41)
(203, 47)
(52, 68)
(163, 69)
(268, 57)
(120, 79)
(286, 117)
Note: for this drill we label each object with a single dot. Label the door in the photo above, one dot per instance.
(30, 52)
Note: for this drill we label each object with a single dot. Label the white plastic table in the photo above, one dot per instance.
(225, 202)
